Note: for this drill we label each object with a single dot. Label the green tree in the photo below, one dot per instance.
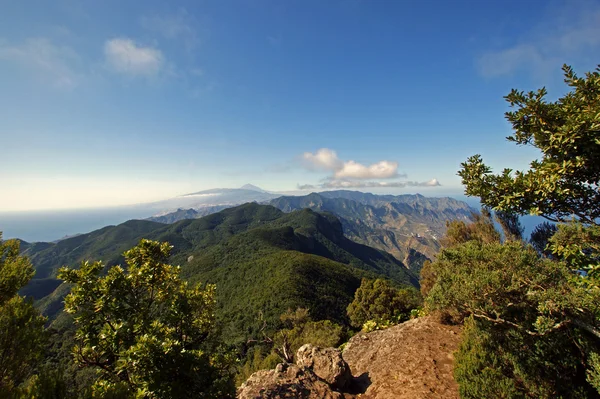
(534, 321)
(510, 224)
(21, 326)
(379, 301)
(481, 229)
(532, 328)
(145, 332)
(564, 182)
(298, 329)
(540, 237)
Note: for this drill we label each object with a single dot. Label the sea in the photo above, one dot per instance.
(54, 225)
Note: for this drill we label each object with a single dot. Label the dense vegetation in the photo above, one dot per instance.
(532, 324)
(21, 326)
(143, 331)
(378, 302)
(260, 258)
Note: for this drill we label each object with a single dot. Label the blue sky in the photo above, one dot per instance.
(118, 102)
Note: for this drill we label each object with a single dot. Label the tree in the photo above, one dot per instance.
(21, 325)
(143, 330)
(379, 301)
(532, 326)
(298, 329)
(533, 322)
(564, 183)
(511, 225)
(540, 237)
(481, 229)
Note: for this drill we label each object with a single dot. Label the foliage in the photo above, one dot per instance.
(298, 329)
(579, 247)
(479, 368)
(427, 278)
(593, 374)
(379, 301)
(535, 326)
(47, 383)
(510, 224)
(143, 330)
(258, 358)
(21, 326)
(533, 322)
(565, 181)
(540, 237)
(481, 230)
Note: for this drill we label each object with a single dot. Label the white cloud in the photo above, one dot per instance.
(377, 184)
(326, 159)
(51, 63)
(351, 174)
(345, 184)
(379, 170)
(569, 34)
(323, 159)
(125, 56)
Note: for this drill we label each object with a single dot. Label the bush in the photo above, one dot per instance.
(379, 301)
(144, 331)
(528, 321)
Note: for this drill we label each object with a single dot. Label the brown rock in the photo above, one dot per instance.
(411, 360)
(286, 381)
(326, 363)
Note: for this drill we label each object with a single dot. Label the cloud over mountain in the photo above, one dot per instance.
(352, 174)
(326, 159)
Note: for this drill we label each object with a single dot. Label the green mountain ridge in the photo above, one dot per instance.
(407, 226)
(263, 261)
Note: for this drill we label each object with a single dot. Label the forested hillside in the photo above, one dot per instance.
(263, 262)
(406, 226)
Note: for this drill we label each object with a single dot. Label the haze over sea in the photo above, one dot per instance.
(52, 225)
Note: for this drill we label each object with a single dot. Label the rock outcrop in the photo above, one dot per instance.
(326, 363)
(411, 360)
(287, 381)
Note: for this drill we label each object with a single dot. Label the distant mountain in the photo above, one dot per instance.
(182, 214)
(252, 187)
(209, 201)
(263, 261)
(407, 226)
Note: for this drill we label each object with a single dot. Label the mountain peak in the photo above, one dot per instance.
(253, 188)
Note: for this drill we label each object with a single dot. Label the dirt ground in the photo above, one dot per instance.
(411, 360)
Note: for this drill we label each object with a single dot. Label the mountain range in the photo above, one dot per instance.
(268, 255)
(407, 226)
(263, 261)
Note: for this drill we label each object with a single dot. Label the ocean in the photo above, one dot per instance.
(54, 225)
